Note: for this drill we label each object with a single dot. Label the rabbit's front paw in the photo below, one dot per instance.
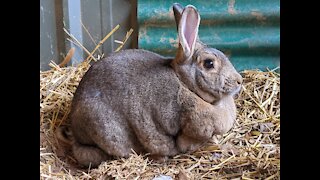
(158, 158)
(187, 144)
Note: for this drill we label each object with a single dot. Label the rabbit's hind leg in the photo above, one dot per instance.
(112, 133)
(89, 155)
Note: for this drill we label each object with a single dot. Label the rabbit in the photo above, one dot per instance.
(139, 100)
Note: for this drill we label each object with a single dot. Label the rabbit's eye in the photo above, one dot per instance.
(208, 63)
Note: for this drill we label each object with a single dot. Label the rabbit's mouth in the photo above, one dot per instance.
(236, 91)
(230, 89)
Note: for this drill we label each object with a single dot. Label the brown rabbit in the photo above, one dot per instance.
(136, 99)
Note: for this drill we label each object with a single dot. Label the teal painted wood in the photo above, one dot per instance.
(248, 31)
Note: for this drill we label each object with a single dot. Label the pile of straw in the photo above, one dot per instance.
(251, 150)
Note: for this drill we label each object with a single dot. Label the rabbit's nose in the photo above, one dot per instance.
(239, 79)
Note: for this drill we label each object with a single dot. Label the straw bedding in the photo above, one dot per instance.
(251, 150)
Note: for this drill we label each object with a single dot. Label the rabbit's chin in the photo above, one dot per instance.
(234, 92)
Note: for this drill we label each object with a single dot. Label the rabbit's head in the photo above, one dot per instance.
(204, 70)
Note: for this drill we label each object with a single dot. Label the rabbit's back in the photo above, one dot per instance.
(126, 72)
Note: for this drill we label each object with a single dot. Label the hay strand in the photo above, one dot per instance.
(91, 38)
(102, 41)
(124, 40)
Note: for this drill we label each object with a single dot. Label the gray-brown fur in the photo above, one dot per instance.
(136, 99)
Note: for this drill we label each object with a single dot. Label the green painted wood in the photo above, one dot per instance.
(248, 31)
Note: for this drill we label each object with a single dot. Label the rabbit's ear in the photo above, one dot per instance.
(188, 30)
(177, 10)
